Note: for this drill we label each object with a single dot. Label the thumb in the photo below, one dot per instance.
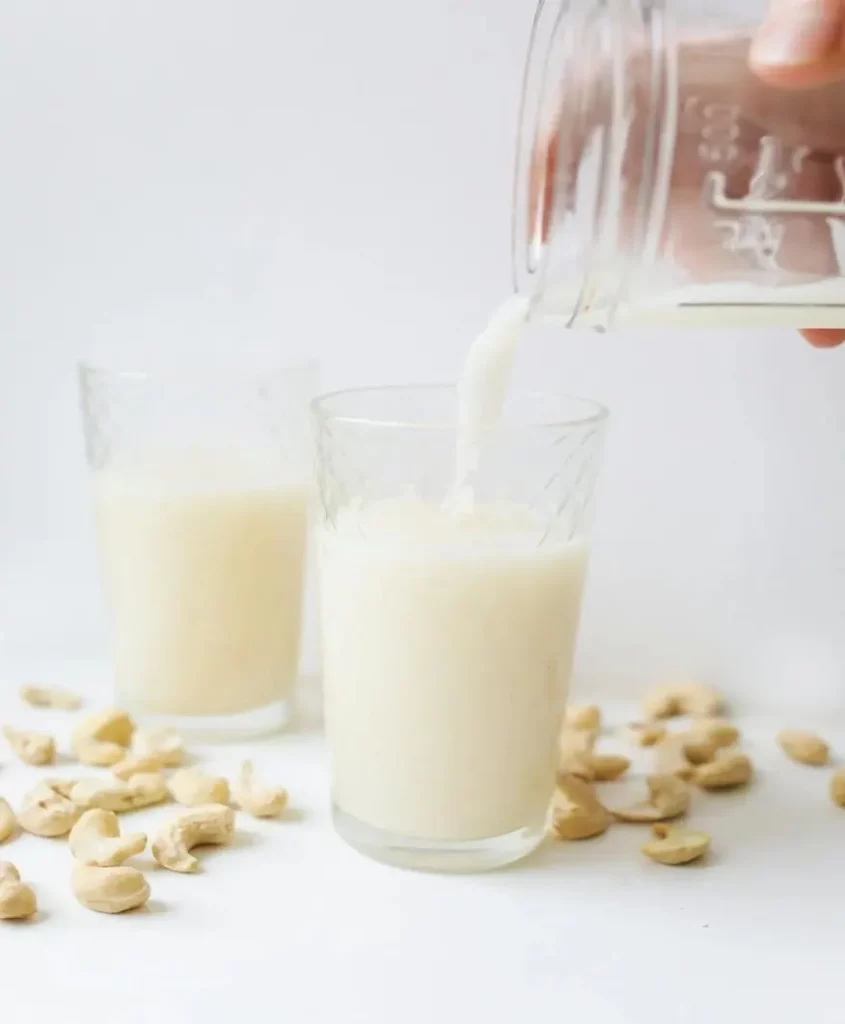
(801, 43)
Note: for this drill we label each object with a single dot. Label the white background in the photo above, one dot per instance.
(333, 179)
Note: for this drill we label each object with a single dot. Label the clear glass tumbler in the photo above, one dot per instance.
(665, 179)
(202, 481)
(448, 620)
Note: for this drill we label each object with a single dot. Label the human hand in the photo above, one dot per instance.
(800, 44)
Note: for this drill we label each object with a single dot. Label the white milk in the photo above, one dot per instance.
(203, 564)
(447, 646)
(484, 383)
(817, 304)
(672, 303)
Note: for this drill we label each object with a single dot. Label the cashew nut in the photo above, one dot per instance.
(100, 740)
(50, 697)
(62, 786)
(190, 787)
(837, 787)
(575, 747)
(576, 811)
(698, 751)
(96, 840)
(261, 801)
(668, 798)
(212, 824)
(109, 890)
(645, 734)
(695, 699)
(31, 747)
(46, 810)
(670, 756)
(717, 731)
(804, 746)
(152, 750)
(16, 899)
(8, 821)
(148, 788)
(674, 845)
(164, 744)
(725, 772)
(115, 795)
(608, 767)
(104, 794)
(129, 766)
(587, 717)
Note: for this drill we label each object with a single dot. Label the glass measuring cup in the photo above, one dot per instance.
(660, 181)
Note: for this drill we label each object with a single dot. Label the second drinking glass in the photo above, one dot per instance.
(201, 487)
(449, 618)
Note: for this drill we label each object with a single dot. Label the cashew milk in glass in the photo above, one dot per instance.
(203, 563)
(447, 645)
(448, 631)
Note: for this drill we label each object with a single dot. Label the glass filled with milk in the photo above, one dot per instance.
(201, 482)
(662, 180)
(452, 547)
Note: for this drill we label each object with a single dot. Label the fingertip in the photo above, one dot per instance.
(799, 76)
(800, 44)
(824, 338)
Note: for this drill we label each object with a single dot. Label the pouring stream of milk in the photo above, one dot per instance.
(481, 393)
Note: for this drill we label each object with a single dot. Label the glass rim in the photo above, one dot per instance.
(90, 368)
(321, 409)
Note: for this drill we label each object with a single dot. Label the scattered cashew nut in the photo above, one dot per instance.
(668, 798)
(576, 811)
(62, 786)
(190, 787)
(695, 699)
(164, 744)
(261, 801)
(717, 731)
(608, 767)
(8, 821)
(109, 890)
(47, 810)
(212, 824)
(140, 790)
(645, 734)
(104, 794)
(152, 750)
(148, 788)
(725, 772)
(670, 756)
(31, 747)
(803, 746)
(101, 740)
(674, 845)
(17, 899)
(96, 840)
(699, 751)
(50, 697)
(587, 717)
(576, 746)
(132, 765)
(837, 787)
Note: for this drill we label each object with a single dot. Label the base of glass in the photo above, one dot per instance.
(429, 855)
(243, 725)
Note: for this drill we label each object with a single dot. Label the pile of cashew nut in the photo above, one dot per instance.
(703, 755)
(85, 810)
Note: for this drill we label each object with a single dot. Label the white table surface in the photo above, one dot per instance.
(291, 925)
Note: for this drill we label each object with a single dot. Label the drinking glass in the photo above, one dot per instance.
(448, 618)
(201, 480)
